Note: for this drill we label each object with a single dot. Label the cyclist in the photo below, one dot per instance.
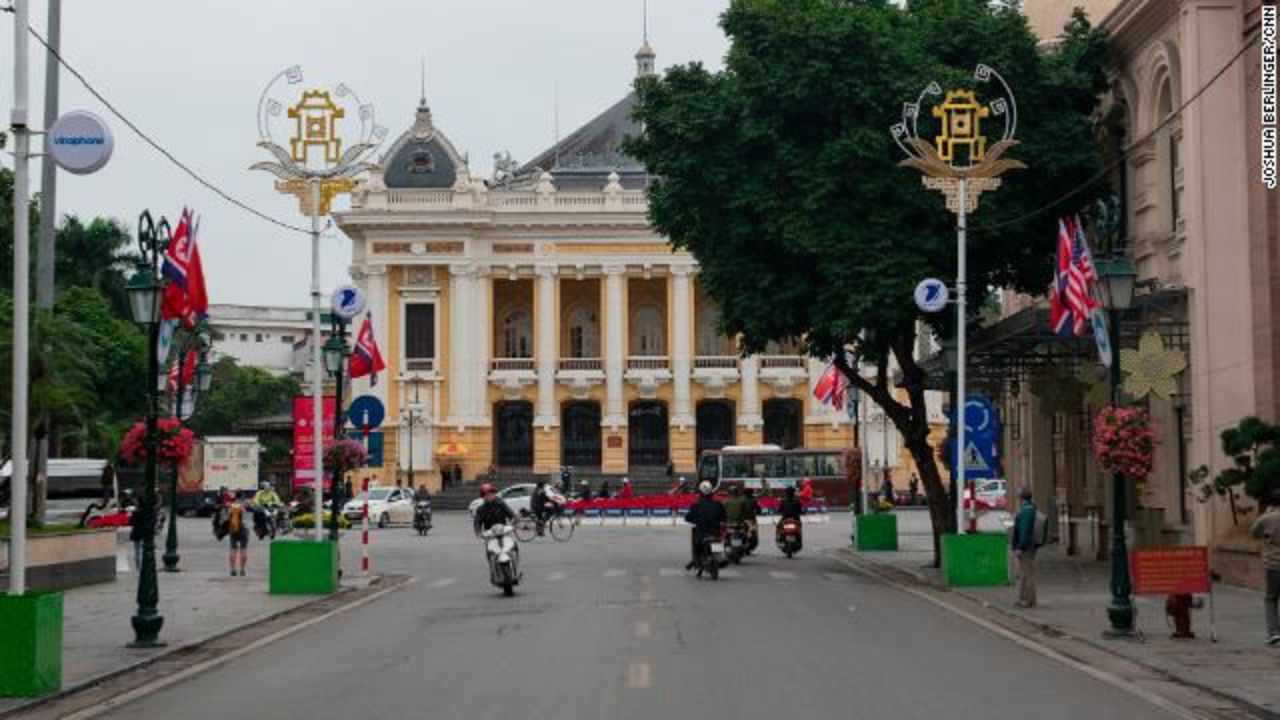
(543, 505)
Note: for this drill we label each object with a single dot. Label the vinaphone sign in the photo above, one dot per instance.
(79, 142)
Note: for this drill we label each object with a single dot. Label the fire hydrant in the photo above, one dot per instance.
(1178, 607)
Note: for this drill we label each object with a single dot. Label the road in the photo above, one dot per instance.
(609, 626)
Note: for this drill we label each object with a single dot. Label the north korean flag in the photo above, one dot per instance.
(365, 358)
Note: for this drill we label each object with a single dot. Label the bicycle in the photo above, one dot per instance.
(559, 525)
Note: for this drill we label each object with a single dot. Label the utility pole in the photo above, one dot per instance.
(21, 305)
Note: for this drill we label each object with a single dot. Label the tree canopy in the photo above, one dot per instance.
(237, 394)
(780, 175)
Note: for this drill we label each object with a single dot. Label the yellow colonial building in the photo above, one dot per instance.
(534, 319)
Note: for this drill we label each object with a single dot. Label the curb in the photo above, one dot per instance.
(1013, 627)
(346, 598)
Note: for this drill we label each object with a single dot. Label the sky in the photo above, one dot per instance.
(189, 73)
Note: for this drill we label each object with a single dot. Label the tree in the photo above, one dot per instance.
(780, 176)
(1254, 448)
(237, 394)
(96, 255)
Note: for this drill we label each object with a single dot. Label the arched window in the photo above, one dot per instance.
(647, 332)
(517, 334)
(1168, 149)
(584, 333)
(710, 341)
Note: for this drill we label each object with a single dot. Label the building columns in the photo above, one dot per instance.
(479, 333)
(460, 314)
(614, 351)
(681, 352)
(547, 347)
(749, 414)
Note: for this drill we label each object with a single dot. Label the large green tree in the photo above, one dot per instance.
(237, 394)
(780, 175)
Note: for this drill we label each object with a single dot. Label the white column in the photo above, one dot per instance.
(614, 350)
(548, 347)
(749, 414)
(681, 353)
(459, 349)
(480, 333)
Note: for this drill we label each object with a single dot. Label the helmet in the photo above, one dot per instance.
(704, 487)
(487, 488)
(264, 485)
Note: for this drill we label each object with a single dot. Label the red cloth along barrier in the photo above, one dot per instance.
(675, 503)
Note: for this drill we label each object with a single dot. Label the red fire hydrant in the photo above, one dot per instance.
(1178, 607)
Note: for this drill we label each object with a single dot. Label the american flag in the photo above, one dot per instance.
(1071, 297)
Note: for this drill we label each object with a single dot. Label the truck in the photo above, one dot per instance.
(217, 461)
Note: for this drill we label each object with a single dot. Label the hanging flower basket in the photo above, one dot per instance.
(173, 446)
(344, 456)
(1124, 441)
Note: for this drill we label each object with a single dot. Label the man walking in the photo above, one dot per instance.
(1024, 549)
(238, 532)
(1267, 529)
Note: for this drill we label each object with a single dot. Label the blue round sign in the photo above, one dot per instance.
(366, 410)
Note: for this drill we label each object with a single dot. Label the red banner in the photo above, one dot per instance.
(1170, 570)
(304, 465)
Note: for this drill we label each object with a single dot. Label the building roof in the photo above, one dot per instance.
(422, 157)
(584, 158)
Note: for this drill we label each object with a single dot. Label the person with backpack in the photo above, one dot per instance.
(238, 532)
(1026, 540)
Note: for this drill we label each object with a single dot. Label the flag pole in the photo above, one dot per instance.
(961, 360)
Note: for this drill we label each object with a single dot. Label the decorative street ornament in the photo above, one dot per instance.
(1096, 383)
(315, 122)
(960, 115)
(1152, 369)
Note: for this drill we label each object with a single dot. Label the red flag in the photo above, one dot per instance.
(185, 297)
(831, 387)
(365, 358)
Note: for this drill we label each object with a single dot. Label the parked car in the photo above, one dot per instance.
(993, 492)
(517, 497)
(387, 505)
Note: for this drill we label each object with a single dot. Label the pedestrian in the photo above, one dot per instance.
(1267, 529)
(347, 489)
(913, 489)
(238, 532)
(627, 492)
(1024, 549)
(886, 489)
(137, 535)
(605, 492)
(585, 493)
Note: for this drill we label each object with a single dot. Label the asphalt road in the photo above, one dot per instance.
(609, 626)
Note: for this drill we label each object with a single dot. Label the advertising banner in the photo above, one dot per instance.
(1170, 570)
(304, 468)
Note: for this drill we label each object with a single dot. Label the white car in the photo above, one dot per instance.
(517, 497)
(387, 505)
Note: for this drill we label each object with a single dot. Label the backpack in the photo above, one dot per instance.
(220, 521)
(1040, 530)
(236, 521)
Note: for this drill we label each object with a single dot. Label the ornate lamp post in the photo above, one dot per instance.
(412, 418)
(1116, 277)
(961, 167)
(198, 339)
(336, 356)
(144, 291)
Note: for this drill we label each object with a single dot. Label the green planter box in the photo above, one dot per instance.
(877, 531)
(975, 560)
(31, 652)
(303, 567)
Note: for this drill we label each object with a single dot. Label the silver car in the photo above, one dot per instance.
(387, 505)
(517, 497)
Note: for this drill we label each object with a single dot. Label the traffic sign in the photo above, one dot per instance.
(348, 301)
(979, 416)
(931, 295)
(366, 410)
(1101, 336)
(982, 438)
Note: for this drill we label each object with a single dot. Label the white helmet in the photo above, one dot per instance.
(704, 487)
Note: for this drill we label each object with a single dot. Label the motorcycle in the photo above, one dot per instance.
(739, 542)
(422, 516)
(711, 555)
(789, 537)
(504, 557)
(268, 520)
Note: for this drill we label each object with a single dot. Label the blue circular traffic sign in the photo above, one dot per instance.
(366, 410)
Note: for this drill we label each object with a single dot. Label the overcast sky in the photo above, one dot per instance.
(189, 73)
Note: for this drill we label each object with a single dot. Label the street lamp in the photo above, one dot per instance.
(195, 340)
(412, 420)
(1116, 277)
(144, 300)
(336, 356)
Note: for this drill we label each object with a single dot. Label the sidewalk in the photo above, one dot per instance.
(1073, 595)
(197, 604)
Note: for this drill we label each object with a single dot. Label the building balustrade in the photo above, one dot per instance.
(715, 362)
(420, 364)
(581, 364)
(512, 365)
(518, 200)
(647, 362)
(782, 362)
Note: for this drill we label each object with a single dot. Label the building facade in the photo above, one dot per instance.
(536, 320)
(271, 338)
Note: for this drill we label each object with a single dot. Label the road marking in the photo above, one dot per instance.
(557, 575)
(670, 572)
(638, 675)
(642, 629)
(614, 573)
(782, 575)
(441, 583)
(837, 577)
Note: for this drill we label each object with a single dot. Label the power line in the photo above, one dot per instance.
(1124, 154)
(161, 149)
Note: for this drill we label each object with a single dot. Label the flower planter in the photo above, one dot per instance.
(975, 560)
(303, 567)
(62, 560)
(31, 653)
(878, 531)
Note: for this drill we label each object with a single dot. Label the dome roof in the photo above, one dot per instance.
(422, 157)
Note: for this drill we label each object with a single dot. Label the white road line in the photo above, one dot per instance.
(643, 630)
(556, 575)
(441, 583)
(639, 676)
(615, 573)
(782, 575)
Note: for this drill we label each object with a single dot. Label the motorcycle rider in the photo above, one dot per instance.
(493, 511)
(790, 507)
(707, 516)
(753, 524)
(266, 496)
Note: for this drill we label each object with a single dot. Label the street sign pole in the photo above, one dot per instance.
(961, 360)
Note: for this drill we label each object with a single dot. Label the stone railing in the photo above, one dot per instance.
(647, 362)
(715, 362)
(420, 364)
(782, 362)
(581, 364)
(512, 364)
(506, 200)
